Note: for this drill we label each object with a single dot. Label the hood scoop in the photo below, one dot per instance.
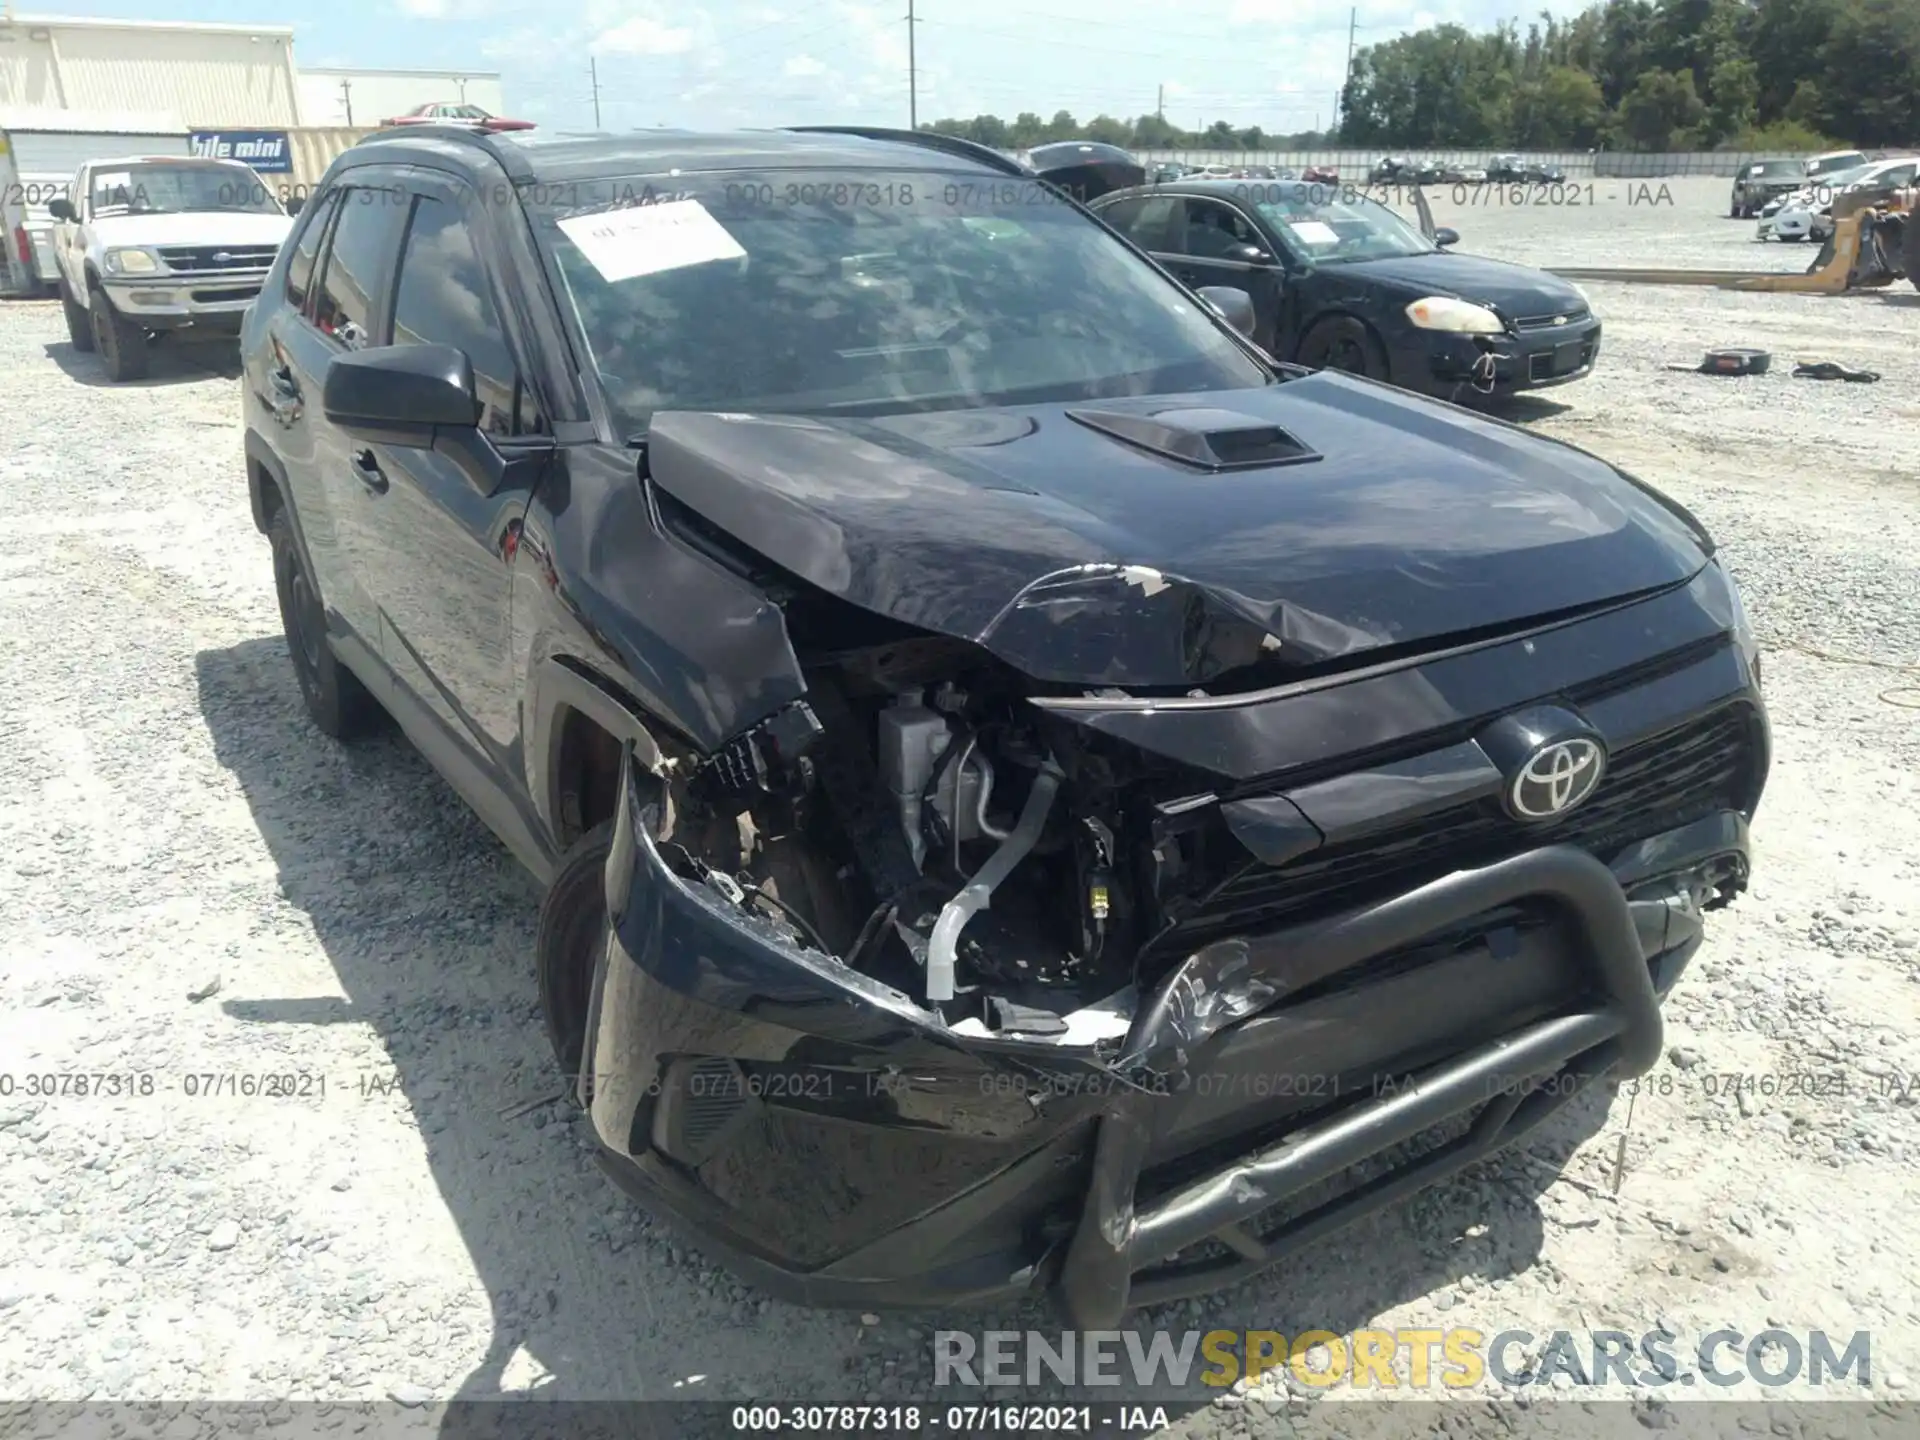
(1205, 438)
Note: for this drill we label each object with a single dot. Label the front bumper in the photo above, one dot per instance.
(1533, 359)
(214, 300)
(846, 1149)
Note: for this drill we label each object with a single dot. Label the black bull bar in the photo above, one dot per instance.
(1616, 1032)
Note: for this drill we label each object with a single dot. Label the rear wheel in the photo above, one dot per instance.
(121, 343)
(573, 927)
(339, 704)
(1346, 344)
(1910, 247)
(79, 323)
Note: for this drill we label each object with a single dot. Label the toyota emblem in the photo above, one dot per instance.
(222, 257)
(1556, 778)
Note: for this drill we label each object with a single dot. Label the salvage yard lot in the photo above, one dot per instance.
(408, 1222)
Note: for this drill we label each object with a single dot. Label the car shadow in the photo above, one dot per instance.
(1905, 300)
(171, 361)
(1526, 409)
(428, 925)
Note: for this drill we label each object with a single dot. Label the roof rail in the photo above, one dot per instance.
(511, 160)
(927, 139)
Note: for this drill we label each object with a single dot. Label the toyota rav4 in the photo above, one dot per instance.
(1031, 794)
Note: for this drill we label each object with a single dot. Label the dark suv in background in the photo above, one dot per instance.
(1024, 784)
(1761, 181)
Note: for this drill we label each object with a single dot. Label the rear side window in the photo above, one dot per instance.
(1147, 222)
(444, 299)
(357, 258)
(306, 250)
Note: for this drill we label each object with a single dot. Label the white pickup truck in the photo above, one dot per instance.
(149, 245)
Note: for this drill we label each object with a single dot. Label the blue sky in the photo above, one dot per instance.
(1273, 63)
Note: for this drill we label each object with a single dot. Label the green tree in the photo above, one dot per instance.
(1661, 111)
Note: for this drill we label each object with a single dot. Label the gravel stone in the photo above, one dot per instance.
(169, 815)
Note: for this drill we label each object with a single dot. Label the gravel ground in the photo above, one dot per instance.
(172, 828)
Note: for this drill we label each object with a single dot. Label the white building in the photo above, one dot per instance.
(366, 97)
(215, 77)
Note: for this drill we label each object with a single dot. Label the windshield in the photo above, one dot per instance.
(1320, 224)
(869, 292)
(1775, 169)
(1832, 179)
(170, 188)
(1832, 167)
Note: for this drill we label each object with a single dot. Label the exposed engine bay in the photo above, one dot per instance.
(916, 820)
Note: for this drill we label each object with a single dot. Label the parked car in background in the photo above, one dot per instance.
(1463, 175)
(1539, 172)
(148, 246)
(1759, 181)
(1321, 174)
(1506, 169)
(447, 112)
(1807, 213)
(783, 583)
(1826, 167)
(1345, 283)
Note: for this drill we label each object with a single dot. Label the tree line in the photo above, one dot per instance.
(1145, 132)
(1790, 75)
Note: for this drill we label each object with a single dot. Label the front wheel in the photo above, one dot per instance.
(1346, 344)
(121, 343)
(573, 928)
(1910, 247)
(79, 323)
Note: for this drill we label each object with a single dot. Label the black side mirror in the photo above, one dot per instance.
(1446, 235)
(1231, 305)
(401, 394)
(1249, 255)
(294, 203)
(61, 208)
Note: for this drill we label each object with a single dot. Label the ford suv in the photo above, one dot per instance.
(1025, 786)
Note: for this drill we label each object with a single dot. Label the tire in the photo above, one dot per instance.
(573, 921)
(1910, 247)
(121, 343)
(1345, 344)
(79, 323)
(339, 704)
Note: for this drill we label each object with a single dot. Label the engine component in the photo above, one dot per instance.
(769, 757)
(978, 893)
(912, 740)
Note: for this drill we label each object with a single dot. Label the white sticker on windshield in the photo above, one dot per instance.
(113, 180)
(646, 239)
(1314, 232)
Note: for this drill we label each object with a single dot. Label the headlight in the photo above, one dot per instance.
(1743, 635)
(1462, 317)
(131, 262)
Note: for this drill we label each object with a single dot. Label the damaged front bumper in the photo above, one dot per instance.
(838, 1144)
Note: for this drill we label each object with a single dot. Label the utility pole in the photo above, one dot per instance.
(1160, 104)
(1353, 28)
(593, 75)
(913, 75)
(346, 97)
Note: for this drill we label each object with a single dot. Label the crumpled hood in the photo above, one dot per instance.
(1081, 559)
(1513, 290)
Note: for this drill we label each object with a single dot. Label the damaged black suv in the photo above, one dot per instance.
(1032, 794)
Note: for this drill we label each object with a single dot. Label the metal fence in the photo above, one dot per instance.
(1601, 164)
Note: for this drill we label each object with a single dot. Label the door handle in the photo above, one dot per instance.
(367, 467)
(281, 378)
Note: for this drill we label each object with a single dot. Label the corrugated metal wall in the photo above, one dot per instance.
(212, 79)
(314, 148)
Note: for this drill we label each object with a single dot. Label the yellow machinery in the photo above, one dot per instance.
(1872, 246)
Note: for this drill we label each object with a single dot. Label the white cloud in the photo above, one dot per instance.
(643, 35)
(425, 9)
(801, 66)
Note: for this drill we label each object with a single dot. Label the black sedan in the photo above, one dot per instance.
(1339, 281)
